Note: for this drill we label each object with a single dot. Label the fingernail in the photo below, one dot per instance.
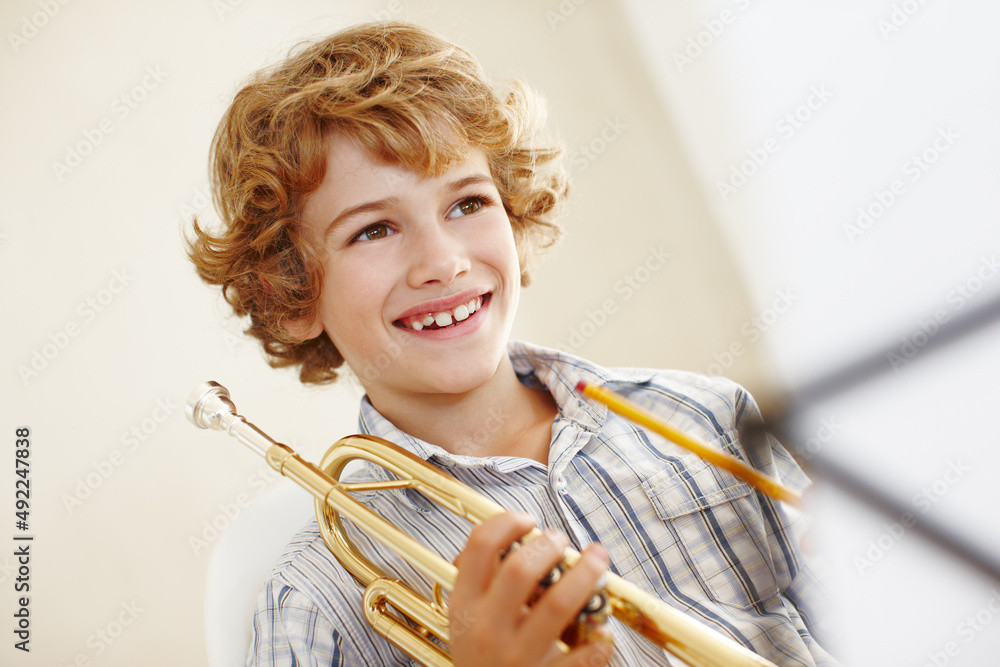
(597, 551)
(556, 536)
(602, 634)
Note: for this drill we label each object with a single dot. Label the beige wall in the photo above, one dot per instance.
(98, 295)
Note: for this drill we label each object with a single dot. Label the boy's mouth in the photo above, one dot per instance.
(443, 319)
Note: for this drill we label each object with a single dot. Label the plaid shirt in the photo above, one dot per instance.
(684, 531)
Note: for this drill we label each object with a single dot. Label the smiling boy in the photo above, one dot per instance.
(381, 200)
(441, 280)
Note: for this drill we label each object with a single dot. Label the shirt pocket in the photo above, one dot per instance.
(719, 529)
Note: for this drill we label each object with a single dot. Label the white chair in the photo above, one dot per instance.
(240, 561)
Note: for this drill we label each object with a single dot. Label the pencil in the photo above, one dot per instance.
(739, 469)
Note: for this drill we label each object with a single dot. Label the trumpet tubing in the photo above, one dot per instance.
(210, 407)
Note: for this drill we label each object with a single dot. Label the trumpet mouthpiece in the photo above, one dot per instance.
(207, 404)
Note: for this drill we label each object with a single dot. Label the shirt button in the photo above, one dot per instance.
(560, 482)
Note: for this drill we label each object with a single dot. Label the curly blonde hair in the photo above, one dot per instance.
(412, 99)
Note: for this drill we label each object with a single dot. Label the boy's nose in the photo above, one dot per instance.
(437, 255)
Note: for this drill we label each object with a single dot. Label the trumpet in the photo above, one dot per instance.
(419, 625)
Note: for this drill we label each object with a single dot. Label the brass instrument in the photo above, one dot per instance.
(209, 406)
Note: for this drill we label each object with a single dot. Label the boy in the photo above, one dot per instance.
(382, 206)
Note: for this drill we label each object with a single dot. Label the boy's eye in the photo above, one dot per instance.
(379, 230)
(466, 206)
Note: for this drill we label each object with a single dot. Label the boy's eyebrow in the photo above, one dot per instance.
(472, 179)
(367, 207)
(389, 202)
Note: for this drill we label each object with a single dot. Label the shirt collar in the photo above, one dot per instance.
(371, 422)
(536, 367)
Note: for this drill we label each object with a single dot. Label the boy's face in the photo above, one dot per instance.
(421, 274)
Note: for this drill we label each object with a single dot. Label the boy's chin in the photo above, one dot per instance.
(460, 377)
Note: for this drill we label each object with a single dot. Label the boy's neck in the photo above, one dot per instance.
(501, 418)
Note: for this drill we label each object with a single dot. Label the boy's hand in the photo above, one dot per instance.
(490, 621)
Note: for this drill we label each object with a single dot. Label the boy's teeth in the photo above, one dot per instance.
(446, 318)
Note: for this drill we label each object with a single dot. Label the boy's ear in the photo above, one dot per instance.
(303, 328)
